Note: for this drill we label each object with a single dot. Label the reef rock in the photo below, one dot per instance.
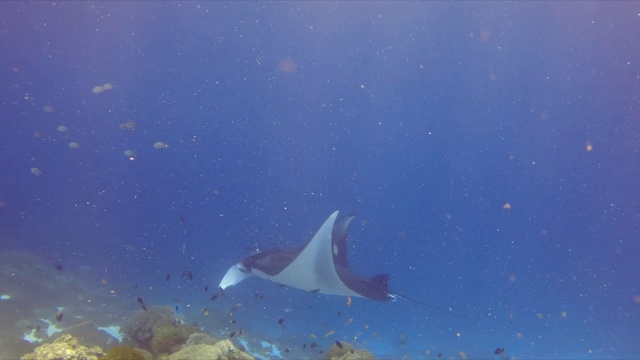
(347, 352)
(200, 338)
(142, 325)
(65, 347)
(222, 350)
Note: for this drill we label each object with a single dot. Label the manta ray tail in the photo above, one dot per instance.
(395, 296)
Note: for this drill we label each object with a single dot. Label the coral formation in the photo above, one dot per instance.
(142, 325)
(124, 353)
(65, 347)
(347, 352)
(201, 338)
(169, 338)
(223, 350)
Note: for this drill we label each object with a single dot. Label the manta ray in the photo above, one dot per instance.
(320, 266)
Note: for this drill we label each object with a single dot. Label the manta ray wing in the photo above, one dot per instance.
(313, 269)
(320, 266)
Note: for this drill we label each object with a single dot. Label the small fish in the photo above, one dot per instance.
(59, 316)
(304, 346)
(232, 335)
(214, 297)
(349, 321)
(241, 348)
(233, 321)
(257, 295)
(281, 322)
(240, 332)
(135, 286)
(331, 332)
(338, 344)
(338, 313)
(222, 294)
(206, 288)
(176, 307)
(314, 291)
(287, 350)
(144, 307)
(167, 278)
(58, 267)
(234, 308)
(187, 274)
(313, 345)
(205, 311)
(139, 299)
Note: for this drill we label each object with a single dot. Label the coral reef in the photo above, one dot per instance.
(347, 352)
(125, 353)
(169, 338)
(201, 338)
(142, 325)
(223, 350)
(65, 347)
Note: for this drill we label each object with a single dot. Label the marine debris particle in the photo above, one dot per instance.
(62, 128)
(35, 171)
(338, 344)
(205, 311)
(59, 316)
(329, 333)
(74, 145)
(281, 322)
(506, 206)
(349, 301)
(160, 145)
(48, 109)
(589, 147)
(214, 297)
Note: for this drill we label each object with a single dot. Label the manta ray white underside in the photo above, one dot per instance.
(316, 268)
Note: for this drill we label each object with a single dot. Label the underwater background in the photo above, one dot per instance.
(489, 149)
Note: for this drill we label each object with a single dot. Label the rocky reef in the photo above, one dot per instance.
(222, 350)
(65, 347)
(141, 327)
(347, 351)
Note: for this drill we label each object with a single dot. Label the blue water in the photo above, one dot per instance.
(490, 151)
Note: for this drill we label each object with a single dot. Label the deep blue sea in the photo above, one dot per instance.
(491, 152)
